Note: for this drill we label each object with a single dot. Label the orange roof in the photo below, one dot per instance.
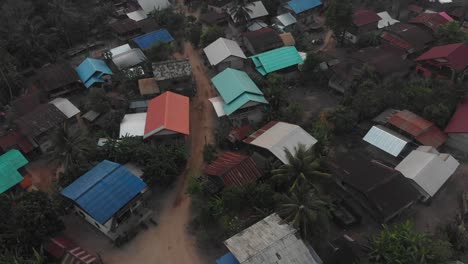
(170, 112)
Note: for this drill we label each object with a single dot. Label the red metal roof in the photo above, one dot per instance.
(13, 139)
(432, 20)
(168, 112)
(395, 41)
(234, 169)
(239, 133)
(459, 121)
(423, 131)
(415, 8)
(257, 33)
(456, 55)
(259, 132)
(362, 17)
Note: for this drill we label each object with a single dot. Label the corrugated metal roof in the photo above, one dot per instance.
(432, 20)
(232, 83)
(221, 49)
(432, 137)
(66, 107)
(362, 17)
(269, 241)
(129, 58)
(148, 86)
(227, 259)
(386, 20)
(386, 140)
(459, 121)
(42, 119)
(428, 168)
(120, 49)
(286, 19)
(288, 40)
(133, 125)
(456, 55)
(276, 59)
(410, 122)
(172, 69)
(257, 9)
(137, 15)
(169, 111)
(13, 139)
(299, 6)
(10, 162)
(91, 71)
(104, 190)
(278, 136)
(234, 169)
(218, 105)
(150, 39)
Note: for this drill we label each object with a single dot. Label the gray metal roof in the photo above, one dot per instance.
(286, 19)
(129, 58)
(270, 242)
(172, 69)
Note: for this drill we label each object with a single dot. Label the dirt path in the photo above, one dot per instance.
(169, 242)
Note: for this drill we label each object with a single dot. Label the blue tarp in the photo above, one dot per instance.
(299, 6)
(91, 71)
(227, 259)
(104, 190)
(148, 40)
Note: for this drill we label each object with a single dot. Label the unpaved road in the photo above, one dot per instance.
(170, 242)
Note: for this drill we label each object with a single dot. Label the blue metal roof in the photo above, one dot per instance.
(227, 259)
(299, 6)
(150, 39)
(91, 71)
(104, 190)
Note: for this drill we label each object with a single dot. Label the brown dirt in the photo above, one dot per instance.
(329, 42)
(43, 174)
(170, 242)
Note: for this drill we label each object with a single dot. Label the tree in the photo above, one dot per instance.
(209, 153)
(294, 113)
(194, 33)
(276, 95)
(343, 119)
(301, 165)
(403, 244)
(339, 17)
(450, 33)
(211, 34)
(98, 101)
(70, 147)
(170, 19)
(160, 52)
(241, 11)
(305, 209)
(35, 219)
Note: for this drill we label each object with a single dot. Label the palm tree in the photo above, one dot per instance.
(70, 147)
(241, 11)
(305, 209)
(301, 165)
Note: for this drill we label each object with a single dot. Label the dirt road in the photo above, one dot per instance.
(169, 242)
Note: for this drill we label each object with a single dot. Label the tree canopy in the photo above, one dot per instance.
(210, 35)
(339, 17)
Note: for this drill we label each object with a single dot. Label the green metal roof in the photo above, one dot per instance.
(276, 59)
(236, 88)
(10, 162)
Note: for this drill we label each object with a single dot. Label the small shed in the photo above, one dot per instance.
(148, 86)
(288, 39)
(66, 107)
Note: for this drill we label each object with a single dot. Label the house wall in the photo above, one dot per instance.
(252, 111)
(231, 62)
(458, 141)
(106, 228)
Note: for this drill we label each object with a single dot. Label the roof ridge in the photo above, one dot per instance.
(98, 181)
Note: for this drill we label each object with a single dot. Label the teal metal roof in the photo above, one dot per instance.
(236, 88)
(10, 162)
(276, 59)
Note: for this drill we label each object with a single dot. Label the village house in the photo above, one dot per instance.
(431, 21)
(407, 37)
(225, 53)
(129, 58)
(57, 79)
(93, 71)
(381, 191)
(428, 169)
(174, 75)
(269, 241)
(148, 87)
(274, 138)
(444, 62)
(364, 22)
(11, 170)
(387, 140)
(150, 39)
(261, 40)
(109, 197)
(239, 99)
(231, 169)
(285, 22)
(457, 129)
(302, 9)
(285, 59)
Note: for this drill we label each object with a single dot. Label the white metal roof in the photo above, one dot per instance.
(257, 9)
(66, 107)
(218, 104)
(386, 20)
(286, 19)
(386, 140)
(129, 58)
(137, 15)
(269, 241)
(120, 49)
(256, 25)
(428, 168)
(283, 136)
(150, 5)
(133, 125)
(221, 49)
